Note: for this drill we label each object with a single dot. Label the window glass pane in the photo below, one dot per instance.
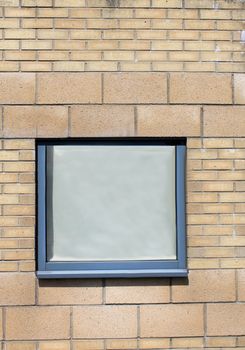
(111, 202)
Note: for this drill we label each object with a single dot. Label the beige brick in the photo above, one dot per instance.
(239, 88)
(114, 344)
(9, 199)
(20, 346)
(135, 88)
(221, 341)
(200, 88)
(241, 285)
(162, 343)
(217, 143)
(18, 254)
(137, 291)
(168, 121)
(105, 322)
(17, 88)
(17, 289)
(88, 345)
(235, 263)
(1, 323)
(102, 121)
(203, 286)
(187, 342)
(241, 341)
(225, 319)
(171, 320)
(19, 144)
(232, 197)
(69, 292)
(68, 66)
(38, 121)
(7, 266)
(18, 167)
(224, 121)
(69, 88)
(28, 323)
(54, 345)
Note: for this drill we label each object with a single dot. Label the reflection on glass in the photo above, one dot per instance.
(111, 202)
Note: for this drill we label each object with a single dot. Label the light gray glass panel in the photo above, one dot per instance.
(111, 203)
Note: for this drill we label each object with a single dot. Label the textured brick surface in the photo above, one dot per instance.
(69, 88)
(226, 319)
(168, 121)
(100, 68)
(69, 292)
(17, 289)
(16, 88)
(135, 88)
(102, 121)
(105, 322)
(38, 121)
(241, 285)
(224, 121)
(239, 84)
(37, 323)
(200, 88)
(203, 286)
(171, 320)
(137, 291)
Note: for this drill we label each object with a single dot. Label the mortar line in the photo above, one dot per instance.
(205, 323)
(71, 327)
(138, 327)
(135, 121)
(69, 121)
(102, 88)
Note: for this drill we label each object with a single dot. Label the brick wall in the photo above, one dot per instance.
(126, 68)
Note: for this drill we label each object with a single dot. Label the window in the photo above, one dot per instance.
(111, 207)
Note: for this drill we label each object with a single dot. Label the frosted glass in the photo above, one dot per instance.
(110, 202)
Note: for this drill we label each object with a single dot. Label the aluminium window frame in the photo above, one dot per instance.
(111, 269)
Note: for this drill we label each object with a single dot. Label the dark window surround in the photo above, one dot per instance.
(110, 269)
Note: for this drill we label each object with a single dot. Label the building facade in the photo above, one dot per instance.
(122, 68)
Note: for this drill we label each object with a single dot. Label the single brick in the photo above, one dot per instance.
(203, 286)
(200, 88)
(1, 321)
(148, 343)
(226, 342)
(29, 323)
(54, 345)
(137, 291)
(102, 121)
(171, 320)
(20, 346)
(69, 88)
(17, 289)
(241, 285)
(105, 322)
(135, 88)
(88, 345)
(225, 319)
(239, 88)
(168, 121)
(38, 121)
(69, 292)
(187, 342)
(122, 344)
(223, 121)
(17, 88)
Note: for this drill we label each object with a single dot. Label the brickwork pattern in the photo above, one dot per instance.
(122, 35)
(207, 310)
(80, 68)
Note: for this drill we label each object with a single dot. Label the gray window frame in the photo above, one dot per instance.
(111, 269)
